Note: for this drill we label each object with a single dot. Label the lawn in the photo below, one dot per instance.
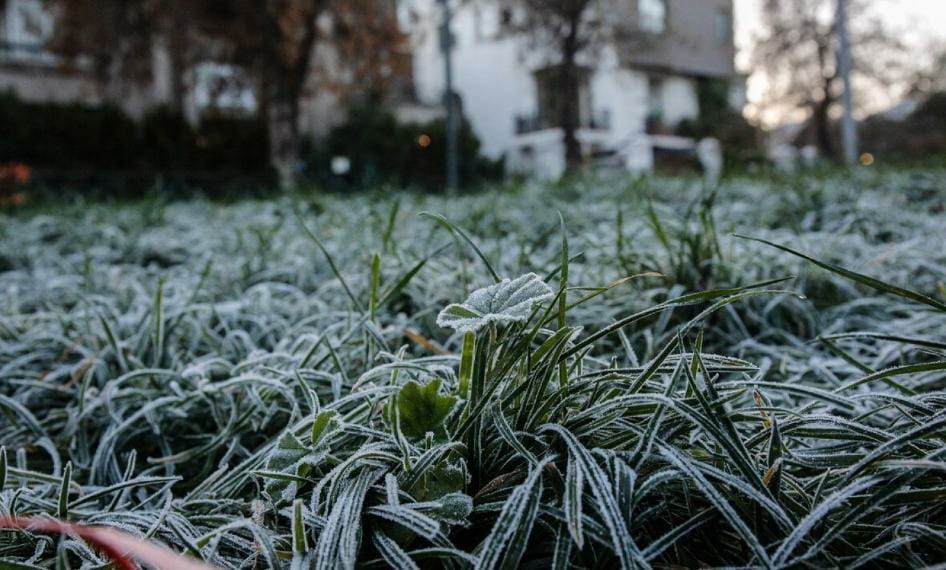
(595, 374)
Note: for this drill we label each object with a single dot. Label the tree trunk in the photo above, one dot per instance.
(821, 116)
(282, 124)
(569, 84)
(822, 127)
(177, 71)
(284, 69)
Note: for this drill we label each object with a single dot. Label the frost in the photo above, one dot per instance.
(506, 301)
(262, 347)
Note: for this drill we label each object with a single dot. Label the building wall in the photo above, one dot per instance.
(620, 92)
(624, 92)
(46, 85)
(493, 75)
(698, 39)
(494, 88)
(34, 74)
(26, 68)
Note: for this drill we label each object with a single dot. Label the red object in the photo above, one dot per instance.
(21, 173)
(117, 546)
(16, 172)
(87, 533)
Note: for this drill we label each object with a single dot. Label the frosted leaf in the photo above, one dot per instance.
(506, 301)
(286, 464)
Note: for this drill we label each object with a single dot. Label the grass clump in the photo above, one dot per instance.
(486, 387)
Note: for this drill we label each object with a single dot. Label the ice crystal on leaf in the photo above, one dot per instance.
(506, 301)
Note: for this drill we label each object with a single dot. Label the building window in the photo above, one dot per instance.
(551, 97)
(25, 28)
(652, 15)
(549, 101)
(723, 26)
(223, 89)
(655, 105)
(492, 23)
(655, 97)
(30, 25)
(505, 17)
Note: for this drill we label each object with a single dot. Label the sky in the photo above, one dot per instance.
(917, 22)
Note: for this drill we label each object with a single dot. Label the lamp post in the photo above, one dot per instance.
(848, 126)
(446, 46)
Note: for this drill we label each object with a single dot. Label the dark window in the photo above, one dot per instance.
(550, 93)
(723, 26)
(655, 98)
(549, 99)
(505, 17)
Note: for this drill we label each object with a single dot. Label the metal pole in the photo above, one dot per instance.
(446, 45)
(848, 126)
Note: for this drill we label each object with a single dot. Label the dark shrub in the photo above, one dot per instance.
(381, 150)
(921, 136)
(66, 137)
(233, 144)
(169, 140)
(102, 148)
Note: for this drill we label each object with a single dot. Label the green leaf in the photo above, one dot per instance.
(574, 487)
(63, 510)
(340, 538)
(466, 363)
(453, 509)
(324, 422)
(818, 514)
(504, 546)
(299, 543)
(422, 409)
(504, 302)
(458, 231)
(3, 467)
(444, 478)
(622, 544)
(857, 277)
(331, 262)
(375, 284)
(291, 458)
(719, 500)
(392, 553)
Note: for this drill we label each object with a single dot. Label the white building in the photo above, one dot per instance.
(630, 102)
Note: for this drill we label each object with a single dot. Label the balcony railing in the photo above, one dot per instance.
(25, 52)
(599, 121)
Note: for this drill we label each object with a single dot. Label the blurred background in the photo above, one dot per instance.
(120, 96)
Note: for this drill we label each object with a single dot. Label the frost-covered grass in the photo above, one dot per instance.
(265, 383)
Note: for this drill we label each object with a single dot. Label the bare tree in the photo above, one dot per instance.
(275, 41)
(566, 32)
(799, 53)
(118, 39)
(930, 77)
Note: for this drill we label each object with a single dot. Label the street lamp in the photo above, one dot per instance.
(446, 46)
(848, 126)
